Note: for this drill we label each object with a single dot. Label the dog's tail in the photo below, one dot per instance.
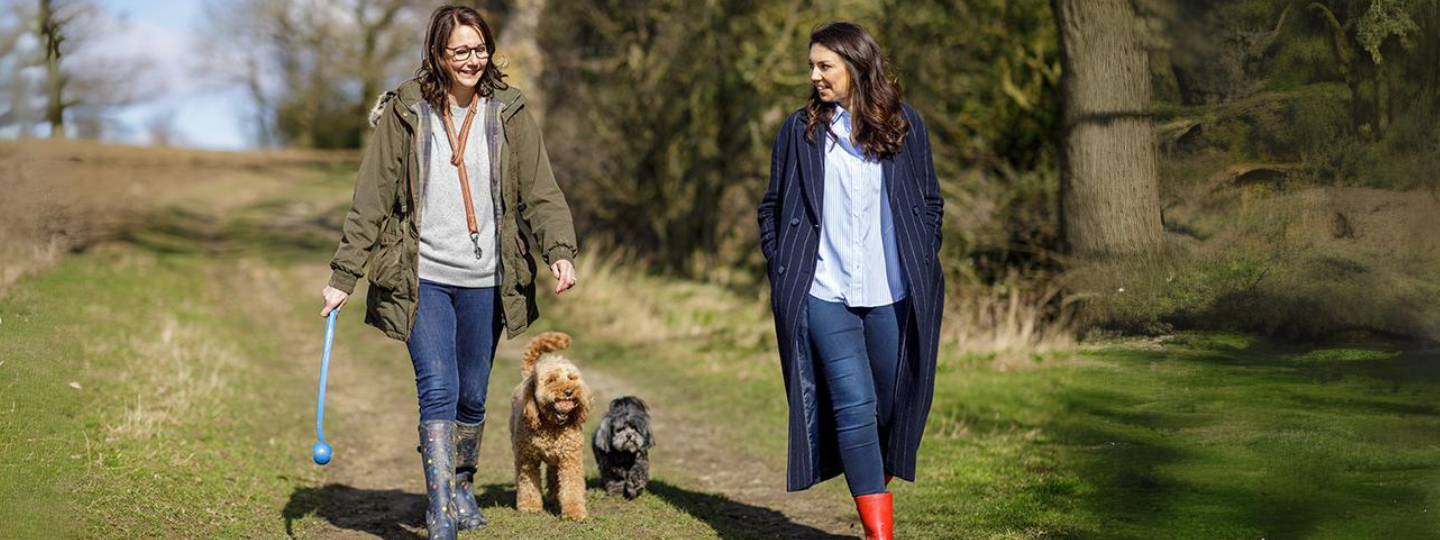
(541, 344)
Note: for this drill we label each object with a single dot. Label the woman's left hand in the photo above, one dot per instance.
(564, 273)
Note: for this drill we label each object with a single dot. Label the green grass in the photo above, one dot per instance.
(193, 412)
(161, 434)
(191, 345)
(1198, 440)
(1203, 436)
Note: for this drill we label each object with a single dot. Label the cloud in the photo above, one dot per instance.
(163, 62)
(160, 60)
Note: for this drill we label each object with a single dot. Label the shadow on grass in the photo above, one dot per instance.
(733, 520)
(391, 514)
(277, 230)
(1250, 443)
(176, 231)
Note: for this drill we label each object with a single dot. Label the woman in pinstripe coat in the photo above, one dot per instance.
(850, 228)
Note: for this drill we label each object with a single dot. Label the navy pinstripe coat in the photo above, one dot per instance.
(789, 217)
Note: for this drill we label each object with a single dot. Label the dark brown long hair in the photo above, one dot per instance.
(434, 79)
(878, 126)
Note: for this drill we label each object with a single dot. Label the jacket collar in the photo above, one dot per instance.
(511, 100)
(408, 96)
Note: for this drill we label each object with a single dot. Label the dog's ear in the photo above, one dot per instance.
(644, 425)
(603, 434)
(531, 414)
(583, 404)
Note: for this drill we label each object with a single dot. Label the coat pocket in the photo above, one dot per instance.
(388, 268)
(388, 271)
(524, 269)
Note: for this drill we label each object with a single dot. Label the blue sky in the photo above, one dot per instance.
(204, 116)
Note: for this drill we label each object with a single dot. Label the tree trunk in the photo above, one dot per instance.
(519, 41)
(51, 37)
(372, 57)
(1109, 200)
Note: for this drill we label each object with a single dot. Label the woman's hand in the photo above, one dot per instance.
(334, 298)
(564, 273)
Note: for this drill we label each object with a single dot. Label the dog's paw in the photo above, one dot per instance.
(614, 488)
(529, 504)
(572, 513)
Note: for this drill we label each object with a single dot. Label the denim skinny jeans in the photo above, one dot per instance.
(857, 352)
(453, 348)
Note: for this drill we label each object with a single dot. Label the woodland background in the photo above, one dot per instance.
(1190, 247)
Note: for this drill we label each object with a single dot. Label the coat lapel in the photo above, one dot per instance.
(813, 180)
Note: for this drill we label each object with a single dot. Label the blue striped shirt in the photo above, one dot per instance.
(858, 263)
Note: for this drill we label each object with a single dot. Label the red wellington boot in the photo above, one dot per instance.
(876, 516)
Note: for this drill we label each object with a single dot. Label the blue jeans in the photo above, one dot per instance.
(453, 347)
(857, 353)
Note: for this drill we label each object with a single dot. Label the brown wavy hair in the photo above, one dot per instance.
(434, 79)
(878, 126)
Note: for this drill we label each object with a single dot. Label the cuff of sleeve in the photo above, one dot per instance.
(344, 281)
(559, 252)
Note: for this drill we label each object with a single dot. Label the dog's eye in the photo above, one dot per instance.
(573, 377)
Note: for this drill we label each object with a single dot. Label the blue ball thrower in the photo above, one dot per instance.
(321, 450)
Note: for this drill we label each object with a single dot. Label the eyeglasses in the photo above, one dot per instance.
(463, 55)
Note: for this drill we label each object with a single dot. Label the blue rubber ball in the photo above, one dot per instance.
(322, 453)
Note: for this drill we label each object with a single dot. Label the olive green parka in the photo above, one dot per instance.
(381, 234)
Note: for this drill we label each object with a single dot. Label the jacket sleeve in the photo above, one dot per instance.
(782, 165)
(380, 171)
(929, 181)
(544, 206)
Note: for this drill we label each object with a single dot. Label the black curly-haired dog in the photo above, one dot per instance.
(622, 446)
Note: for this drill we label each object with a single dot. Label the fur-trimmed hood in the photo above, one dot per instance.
(407, 96)
(380, 102)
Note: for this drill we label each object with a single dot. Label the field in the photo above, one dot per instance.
(158, 369)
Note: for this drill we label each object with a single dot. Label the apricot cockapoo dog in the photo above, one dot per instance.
(547, 412)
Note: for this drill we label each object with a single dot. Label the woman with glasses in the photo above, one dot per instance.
(850, 228)
(453, 201)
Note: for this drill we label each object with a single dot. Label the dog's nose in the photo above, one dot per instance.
(569, 393)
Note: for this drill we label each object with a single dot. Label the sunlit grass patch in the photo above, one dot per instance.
(179, 369)
(1346, 355)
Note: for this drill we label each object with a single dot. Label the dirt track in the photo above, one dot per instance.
(374, 485)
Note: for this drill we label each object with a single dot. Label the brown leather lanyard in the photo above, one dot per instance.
(457, 158)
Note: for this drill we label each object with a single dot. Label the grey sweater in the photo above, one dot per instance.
(446, 253)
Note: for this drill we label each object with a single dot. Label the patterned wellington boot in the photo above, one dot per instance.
(467, 458)
(437, 448)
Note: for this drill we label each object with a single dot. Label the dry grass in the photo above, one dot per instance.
(616, 302)
(63, 196)
(179, 368)
(1012, 323)
(1306, 264)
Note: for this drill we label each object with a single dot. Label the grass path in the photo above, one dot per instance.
(372, 489)
(183, 360)
(162, 386)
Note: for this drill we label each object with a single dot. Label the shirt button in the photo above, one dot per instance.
(794, 221)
